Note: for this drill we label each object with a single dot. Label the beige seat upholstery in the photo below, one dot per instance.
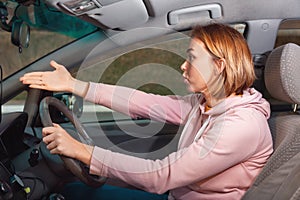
(280, 178)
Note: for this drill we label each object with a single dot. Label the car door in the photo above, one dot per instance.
(153, 67)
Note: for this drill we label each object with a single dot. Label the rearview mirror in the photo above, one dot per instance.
(20, 34)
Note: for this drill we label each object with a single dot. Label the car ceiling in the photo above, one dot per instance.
(127, 14)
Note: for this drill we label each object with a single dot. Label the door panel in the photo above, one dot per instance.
(143, 138)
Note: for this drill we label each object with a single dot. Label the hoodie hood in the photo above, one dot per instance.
(250, 98)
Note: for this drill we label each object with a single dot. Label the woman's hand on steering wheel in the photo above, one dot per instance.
(69, 150)
(58, 141)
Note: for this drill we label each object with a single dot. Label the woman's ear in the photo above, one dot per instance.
(220, 64)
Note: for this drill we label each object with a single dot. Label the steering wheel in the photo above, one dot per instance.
(79, 169)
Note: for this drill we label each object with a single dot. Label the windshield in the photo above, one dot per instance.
(49, 30)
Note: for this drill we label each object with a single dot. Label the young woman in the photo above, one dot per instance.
(225, 142)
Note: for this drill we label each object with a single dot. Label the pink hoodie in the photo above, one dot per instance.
(221, 164)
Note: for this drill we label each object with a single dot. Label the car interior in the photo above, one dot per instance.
(139, 44)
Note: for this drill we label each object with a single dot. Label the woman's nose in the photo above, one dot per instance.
(183, 67)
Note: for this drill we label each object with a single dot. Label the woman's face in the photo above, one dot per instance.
(199, 67)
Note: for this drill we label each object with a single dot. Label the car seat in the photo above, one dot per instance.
(280, 178)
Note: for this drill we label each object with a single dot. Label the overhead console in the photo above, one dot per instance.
(107, 14)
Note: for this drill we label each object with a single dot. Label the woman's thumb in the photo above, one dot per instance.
(55, 64)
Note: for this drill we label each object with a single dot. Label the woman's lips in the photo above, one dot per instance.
(186, 81)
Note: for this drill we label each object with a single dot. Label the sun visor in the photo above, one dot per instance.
(109, 14)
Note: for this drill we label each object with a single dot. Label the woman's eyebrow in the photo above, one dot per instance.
(189, 50)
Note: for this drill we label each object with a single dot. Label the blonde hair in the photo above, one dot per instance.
(224, 42)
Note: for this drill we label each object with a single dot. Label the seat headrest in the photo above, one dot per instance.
(282, 73)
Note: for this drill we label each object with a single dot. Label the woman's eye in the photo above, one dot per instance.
(190, 58)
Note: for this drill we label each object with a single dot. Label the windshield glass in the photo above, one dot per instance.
(49, 30)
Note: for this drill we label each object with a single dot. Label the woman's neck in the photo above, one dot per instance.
(212, 101)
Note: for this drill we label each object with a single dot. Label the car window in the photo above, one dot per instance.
(153, 68)
(42, 42)
(289, 31)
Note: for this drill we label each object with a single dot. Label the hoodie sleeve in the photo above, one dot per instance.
(171, 109)
(229, 142)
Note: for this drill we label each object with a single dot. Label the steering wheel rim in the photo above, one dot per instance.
(76, 167)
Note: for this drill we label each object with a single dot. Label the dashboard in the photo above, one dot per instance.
(12, 128)
(24, 174)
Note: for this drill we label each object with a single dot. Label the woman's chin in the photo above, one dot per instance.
(187, 84)
(190, 89)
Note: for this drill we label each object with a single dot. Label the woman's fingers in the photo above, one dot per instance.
(54, 148)
(51, 145)
(41, 87)
(57, 80)
(34, 79)
(27, 78)
(48, 137)
(58, 140)
(52, 129)
(48, 130)
(33, 74)
(52, 137)
(56, 125)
